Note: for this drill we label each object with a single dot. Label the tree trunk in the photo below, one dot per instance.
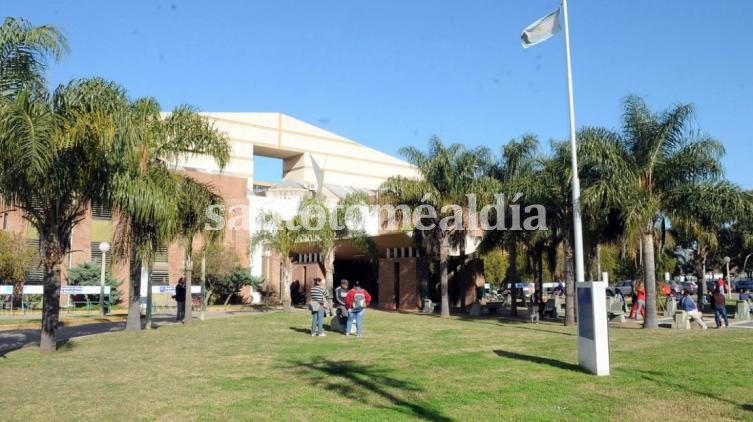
(444, 253)
(702, 280)
(649, 276)
(52, 252)
(329, 269)
(512, 275)
(539, 268)
(133, 322)
(598, 262)
(202, 313)
(188, 303)
(569, 285)
(50, 308)
(287, 268)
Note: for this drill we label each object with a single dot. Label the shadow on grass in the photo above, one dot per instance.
(301, 330)
(538, 359)
(353, 380)
(666, 379)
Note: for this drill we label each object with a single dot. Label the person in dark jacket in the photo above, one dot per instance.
(720, 308)
(180, 299)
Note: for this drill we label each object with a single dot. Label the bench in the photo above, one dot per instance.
(615, 312)
(428, 307)
(742, 311)
(681, 320)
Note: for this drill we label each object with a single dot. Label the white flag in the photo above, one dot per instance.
(541, 30)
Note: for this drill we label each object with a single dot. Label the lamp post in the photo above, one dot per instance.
(103, 247)
(746, 262)
(729, 282)
(188, 313)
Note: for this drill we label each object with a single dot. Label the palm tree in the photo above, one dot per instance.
(57, 150)
(23, 49)
(282, 237)
(333, 227)
(518, 170)
(195, 199)
(448, 175)
(655, 168)
(147, 193)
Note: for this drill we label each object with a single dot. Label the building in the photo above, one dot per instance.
(312, 160)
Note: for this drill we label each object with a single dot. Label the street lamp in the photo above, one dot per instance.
(103, 247)
(729, 282)
(746, 262)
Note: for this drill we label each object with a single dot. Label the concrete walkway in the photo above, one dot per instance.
(15, 339)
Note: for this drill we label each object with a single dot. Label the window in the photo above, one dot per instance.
(160, 275)
(101, 212)
(35, 271)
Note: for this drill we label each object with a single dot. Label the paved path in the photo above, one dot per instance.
(15, 339)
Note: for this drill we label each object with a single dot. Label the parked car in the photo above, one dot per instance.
(743, 285)
(690, 286)
(625, 287)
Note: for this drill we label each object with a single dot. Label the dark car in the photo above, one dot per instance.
(625, 287)
(743, 285)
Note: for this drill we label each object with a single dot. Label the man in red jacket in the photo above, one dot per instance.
(356, 302)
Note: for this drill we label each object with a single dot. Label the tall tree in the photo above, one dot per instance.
(328, 224)
(448, 175)
(57, 153)
(650, 171)
(147, 193)
(195, 199)
(23, 52)
(282, 237)
(518, 173)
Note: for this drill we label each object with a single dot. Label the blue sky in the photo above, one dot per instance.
(392, 73)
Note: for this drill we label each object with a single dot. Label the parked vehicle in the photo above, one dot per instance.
(743, 285)
(625, 287)
(690, 286)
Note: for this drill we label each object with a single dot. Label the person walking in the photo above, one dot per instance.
(318, 307)
(688, 305)
(356, 302)
(720, 308)
(535, 309)
(639, 305)
(180, 299)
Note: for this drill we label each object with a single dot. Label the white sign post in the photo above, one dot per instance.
(593, 335)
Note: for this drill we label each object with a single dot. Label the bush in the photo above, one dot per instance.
(88, 274)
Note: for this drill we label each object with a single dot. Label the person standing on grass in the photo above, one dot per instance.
(318, 307)
(639, 305)
(357, 301)
(720, 308)
(688, 305)
(180, 299)
(721, 285)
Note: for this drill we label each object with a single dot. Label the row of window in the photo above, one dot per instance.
(35, 271)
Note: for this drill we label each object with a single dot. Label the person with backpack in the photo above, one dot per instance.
(356, 302)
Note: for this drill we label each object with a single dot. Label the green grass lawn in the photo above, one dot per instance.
(406, 367)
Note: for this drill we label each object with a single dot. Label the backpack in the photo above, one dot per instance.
(359, 301)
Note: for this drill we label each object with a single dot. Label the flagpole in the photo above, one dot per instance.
(577, 226)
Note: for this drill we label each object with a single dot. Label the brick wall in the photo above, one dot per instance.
(408, 285)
